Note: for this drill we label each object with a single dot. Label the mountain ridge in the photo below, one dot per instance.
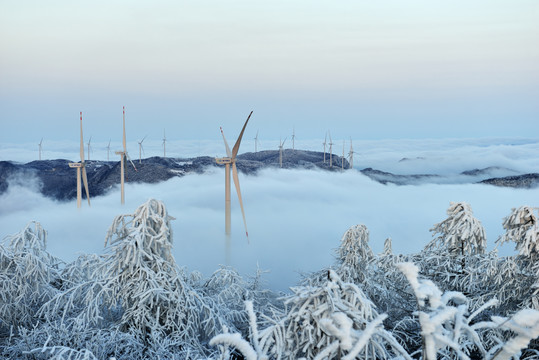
(57, 180)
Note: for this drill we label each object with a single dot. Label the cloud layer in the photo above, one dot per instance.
(295, 217)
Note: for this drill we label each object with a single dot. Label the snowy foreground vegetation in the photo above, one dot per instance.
(453, 300)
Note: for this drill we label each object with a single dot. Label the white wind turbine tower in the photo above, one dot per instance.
(324, 143)
(330, 150)
(80, 173)
(293, 138)
(351, 155)
(140, 149)
(227, 161)
(281, 144)
(256, 141)
(108, 150)
(89, 141)
(40, 148)
(123, 156)
(164, 144)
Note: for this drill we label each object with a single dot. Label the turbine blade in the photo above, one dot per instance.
(228, 153)
(129, 158)
(85, 180)
(236, 147)
(237, 185)
(81, 140)
(125, 150)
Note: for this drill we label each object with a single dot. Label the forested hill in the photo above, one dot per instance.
(57, 180)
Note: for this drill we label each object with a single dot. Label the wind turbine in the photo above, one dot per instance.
(293, 137)
(80, 166)
(281, 144)
(40, 148)
(351, 155)
(164, 144)
(123, 155)
(324, 143)
(140, 149)
(89, 141)
(227, 161)
(108, 150)
(256, 141)
(342, 158)
(330, 150)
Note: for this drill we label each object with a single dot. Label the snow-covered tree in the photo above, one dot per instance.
(29, 276)
(522, 227)
(461, 233)
(137, 285)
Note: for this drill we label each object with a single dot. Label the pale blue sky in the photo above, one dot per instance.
(365, 69)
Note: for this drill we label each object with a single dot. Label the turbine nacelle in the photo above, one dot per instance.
(224, 161)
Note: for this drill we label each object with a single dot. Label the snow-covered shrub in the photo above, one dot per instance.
(522, 227)
(448, 329)
(329, 322)
(461, 233)
(445, 327)
(228, 290)
(28, 276)
(332, 320)
(73, 340)
(354, 253)
(524, 325)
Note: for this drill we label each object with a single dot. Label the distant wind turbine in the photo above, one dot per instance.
(351, 155)
(293, 138)
(89, 148)
(281, 144)
(342, 158)
(80, 173)
(330, 150)
(123, 158)
(164, 144)
(256, 141)
(140, 149)
(324, 143)
(227, 161)
(41, 142)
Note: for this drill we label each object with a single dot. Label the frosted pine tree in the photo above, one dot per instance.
(522, 227)
(461, 233)
(138, 287)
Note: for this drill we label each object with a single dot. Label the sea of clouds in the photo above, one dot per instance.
(295, 218)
